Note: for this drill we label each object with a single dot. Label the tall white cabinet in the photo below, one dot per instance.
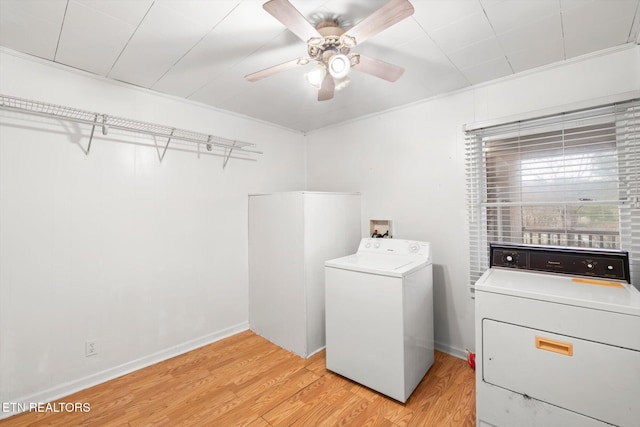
(291, 235)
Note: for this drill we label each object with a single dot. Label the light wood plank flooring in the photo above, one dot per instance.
(246, 380)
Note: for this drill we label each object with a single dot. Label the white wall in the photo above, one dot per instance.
(147, 258)
(409, 164)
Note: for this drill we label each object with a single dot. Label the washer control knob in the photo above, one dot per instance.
(509, 258)
(590, 266)
(609, 267)
(376, 245)
(413, 248)
(367, 245)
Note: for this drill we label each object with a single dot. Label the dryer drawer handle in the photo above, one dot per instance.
(555, 346)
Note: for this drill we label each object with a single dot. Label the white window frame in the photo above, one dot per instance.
(625, 115)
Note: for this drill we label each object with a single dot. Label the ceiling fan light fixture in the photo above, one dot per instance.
(316, 75)
(342, 83)
(339, 66)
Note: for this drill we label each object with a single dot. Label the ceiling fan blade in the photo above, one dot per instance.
(391, 13)
(259, 75)
(378, 68)
(327, 88)
(284, 12)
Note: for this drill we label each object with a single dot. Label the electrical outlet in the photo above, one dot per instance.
(91, 348)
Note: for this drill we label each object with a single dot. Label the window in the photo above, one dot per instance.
(567, 180)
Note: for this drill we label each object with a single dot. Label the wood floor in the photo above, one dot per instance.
(246, 380)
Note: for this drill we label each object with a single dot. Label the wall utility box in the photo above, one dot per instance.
(380, 227)
(291, 235)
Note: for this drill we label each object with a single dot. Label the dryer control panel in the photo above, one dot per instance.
(599, 263)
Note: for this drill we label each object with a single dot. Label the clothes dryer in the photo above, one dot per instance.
(557, 340)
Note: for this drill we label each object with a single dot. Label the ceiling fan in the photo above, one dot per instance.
(330, 45)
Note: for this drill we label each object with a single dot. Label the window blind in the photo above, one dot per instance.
(570, 180)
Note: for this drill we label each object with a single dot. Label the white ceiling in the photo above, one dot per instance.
(202, 49)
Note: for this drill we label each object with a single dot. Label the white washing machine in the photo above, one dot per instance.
(379, 315)
(557, 339)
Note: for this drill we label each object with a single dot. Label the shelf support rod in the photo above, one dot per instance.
(167, 146)
(93, 129)
(227, 156)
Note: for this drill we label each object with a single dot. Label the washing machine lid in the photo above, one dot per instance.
(381, 264)
(616, 296)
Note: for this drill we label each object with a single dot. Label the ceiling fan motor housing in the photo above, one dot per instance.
(331, 42)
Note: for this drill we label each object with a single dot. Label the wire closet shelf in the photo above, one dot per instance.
(106, 122)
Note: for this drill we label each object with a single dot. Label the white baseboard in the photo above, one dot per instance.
(453, 351)
(66, 389)
(316, 351)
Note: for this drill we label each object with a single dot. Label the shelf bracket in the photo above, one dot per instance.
(227, 155)
(93, 129)
(166, 146)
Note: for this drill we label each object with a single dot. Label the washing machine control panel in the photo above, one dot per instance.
(395, 246)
